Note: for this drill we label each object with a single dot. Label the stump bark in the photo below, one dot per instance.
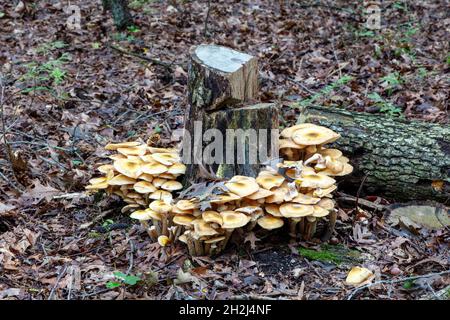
(403, 160)
(222, 85)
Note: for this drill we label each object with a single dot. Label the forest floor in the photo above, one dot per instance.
(66, 93)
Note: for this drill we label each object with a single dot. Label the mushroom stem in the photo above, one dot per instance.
(145, 225)
(310, 227)
(301, 226)
(208, 249)
(331, 224)
(164, 228)
(198, 247)
(157, 226)
(293, 226)
(251, 225)
(228, 234)
(191, 246)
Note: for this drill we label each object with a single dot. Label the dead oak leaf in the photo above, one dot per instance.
(251, 237)
(39, 192)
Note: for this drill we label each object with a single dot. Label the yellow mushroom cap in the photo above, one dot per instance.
(153, 168)
(215, 239)
(167, 176)
(305, 199)
(133, 151)
(186, 205)
(146, 177)
(269, 180)
(167, 159)
(117, 157)
(358, 275)
(177, 210)
(160, 206)
(144, 187)
(332, 153)
(326, 203)
(177, 168)
(163, 240)
(120, 180)
(171, 185)
(105, 168)
(242, 185)
(97, 186)
(161, 150)
(273, 209)
(260, 194)
(319, 211)
(129, 168)
(115, 146)
(212, 216)
(225, 198)
(288, 132)
(270, 222)
(183, 238)
(316, 181)
(278, 195)
(314, 135)
(161, 195)
(232, 219)
(158, 182)
(322, 192)
(183, 220)
(203, 228)
(288, 143)
(147, 158)
(296, 210)
(141, 215)
(129, 207)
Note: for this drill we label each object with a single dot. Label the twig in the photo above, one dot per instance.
(130, 267)
(395, 281)
(52, 292)
(205, 30)
(96, 219)
(137, 55)
(359, 191)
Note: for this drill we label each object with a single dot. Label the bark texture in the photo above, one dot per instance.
(403, 160)
(120, 12)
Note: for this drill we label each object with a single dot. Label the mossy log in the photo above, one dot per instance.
(120, 12)
(403, 160)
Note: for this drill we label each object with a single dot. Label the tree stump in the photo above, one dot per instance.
(403, 160)
(222, 85)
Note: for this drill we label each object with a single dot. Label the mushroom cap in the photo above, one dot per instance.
(117, 156)
(358, 275)
(153, 168)
(133, 151)
(158, 182)
(278, 196)
(171, 185)
(167, 159)
(225, 198)
(215, 239)
(183, 220)
(288, 143)
(115, 146)
(332, 153)
(314, 135)
(163, 240)
(326, 203)
(129, 207)
(250, 210)
(121, 180)
(161, 195)
(147, 158)
(146, 177)
(177, 168)
(233, 220)
(186, 204)
(322, 192)
(319, 211)
(269, 180)
(212, 216)
(127, 167)
(105, 168)
(316, 181)
(242, 185)
(98, 180)
(144, 187)
(161, 150)
(168, 176)
(160, 206)
(296, 210)
(273, 209)
(141, 215)
(270, 222)
(260, 194)
(183, 238)
(203, 228)
(305, 199)
(288, 132)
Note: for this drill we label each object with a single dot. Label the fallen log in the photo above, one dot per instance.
(403, 160)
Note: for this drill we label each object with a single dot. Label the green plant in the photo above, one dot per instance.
(337, 254)
(133, 29)
(448, 59)
(385, 106)
(129, 280)
(46, 48)
(325, 91)
(391, 81)
(2, 14)
(422, 72)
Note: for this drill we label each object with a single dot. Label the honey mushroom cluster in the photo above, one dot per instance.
(299, 192)
(144, 177)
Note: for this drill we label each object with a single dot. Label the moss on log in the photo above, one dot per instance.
(402, 159)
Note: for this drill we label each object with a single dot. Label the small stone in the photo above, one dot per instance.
(395, 271)
(334, 240)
